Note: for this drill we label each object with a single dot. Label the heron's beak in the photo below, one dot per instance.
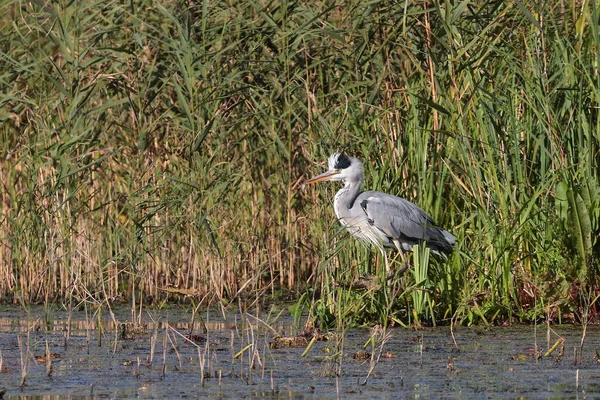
(325, 176)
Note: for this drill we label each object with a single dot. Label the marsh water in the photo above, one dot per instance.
(166, 355)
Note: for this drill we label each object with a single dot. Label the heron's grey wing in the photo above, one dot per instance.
(399, 218)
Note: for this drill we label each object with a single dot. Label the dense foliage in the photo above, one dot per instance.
(159, 148)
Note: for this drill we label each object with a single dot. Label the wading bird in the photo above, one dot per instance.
(379, 218)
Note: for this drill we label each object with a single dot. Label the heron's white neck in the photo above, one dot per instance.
(344, 198)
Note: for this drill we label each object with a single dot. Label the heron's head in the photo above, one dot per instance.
(341, 168)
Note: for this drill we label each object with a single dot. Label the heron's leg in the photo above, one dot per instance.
(398, 246)
(403, 261)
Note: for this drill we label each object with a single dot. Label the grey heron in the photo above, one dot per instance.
(379, 218)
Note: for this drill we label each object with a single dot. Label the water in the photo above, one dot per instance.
(498, 362)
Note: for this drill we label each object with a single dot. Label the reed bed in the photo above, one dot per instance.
(158, 149)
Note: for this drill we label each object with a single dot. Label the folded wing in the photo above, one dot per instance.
(401, 220)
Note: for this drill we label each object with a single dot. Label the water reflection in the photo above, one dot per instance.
(59, 323)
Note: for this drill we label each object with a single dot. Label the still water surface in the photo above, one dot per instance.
(97, 358)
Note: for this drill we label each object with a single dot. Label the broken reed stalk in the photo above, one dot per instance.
(256, 359)
(583, 333)
(554, 347)
(384, 337)
(250, 339)
(309, 346)
(24, 354)
(421, 354)
(137, 369)
(153, 341)
(68, 330)
(232, 351)
(88, 333)
(99, 326)
(48, 360)
(173, 345)
(255, 353)
(207, 343)
(175, 331)
(242, 351)
(339, 356)
(201, 360)
(262, 365)
(164, 366)
(118, 330)
(194, 311)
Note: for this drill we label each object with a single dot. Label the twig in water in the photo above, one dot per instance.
(164, 366)
(24, 357)
(242, 351)
(153, 340)
(69, 317)
(452, 322)
(309, 346)
(384, 337)
(137, 370)
(201, 359)
(48, 360)
(173, 345)
(421, 354)
(554, 347)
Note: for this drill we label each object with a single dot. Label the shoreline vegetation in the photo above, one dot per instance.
(155, 151)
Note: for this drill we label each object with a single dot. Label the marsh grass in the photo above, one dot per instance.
(154, 145)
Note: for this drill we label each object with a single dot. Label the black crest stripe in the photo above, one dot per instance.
(342, 161)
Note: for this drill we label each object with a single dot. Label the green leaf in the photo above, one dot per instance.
(561, 200)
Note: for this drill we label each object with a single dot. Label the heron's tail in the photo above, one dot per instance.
(449, 238)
